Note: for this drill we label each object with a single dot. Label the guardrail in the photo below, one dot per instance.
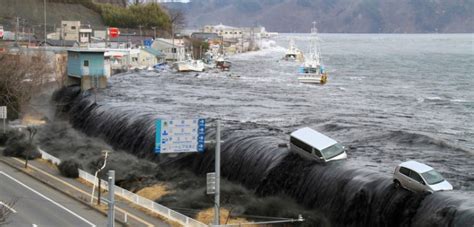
(134, 198)
(46, 156)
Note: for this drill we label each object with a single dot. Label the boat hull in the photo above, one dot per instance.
(313, 79)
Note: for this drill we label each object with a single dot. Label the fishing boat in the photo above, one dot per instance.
(293, 53)
(189, 65)
(222, 63)
(312, 69)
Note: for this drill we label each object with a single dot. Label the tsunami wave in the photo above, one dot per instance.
(253, 156)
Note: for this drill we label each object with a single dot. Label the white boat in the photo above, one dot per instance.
(293, 53)
(312, 70)
(222, 63)
(189, 65)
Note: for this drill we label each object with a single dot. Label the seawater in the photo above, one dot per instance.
(390, 97)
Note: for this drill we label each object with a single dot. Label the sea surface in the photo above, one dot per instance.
(389, 97)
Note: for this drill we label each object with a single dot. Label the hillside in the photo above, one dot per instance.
(31, 13)
(361, 16)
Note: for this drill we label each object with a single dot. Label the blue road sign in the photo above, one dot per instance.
(178, 136)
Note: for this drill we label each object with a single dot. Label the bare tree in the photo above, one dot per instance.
(177, 19)
(6, 209)
(21, 76)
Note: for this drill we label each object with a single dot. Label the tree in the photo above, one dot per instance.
(6, 209)
(21, 76)
(177, 20)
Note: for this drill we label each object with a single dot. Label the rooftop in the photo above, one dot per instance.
(313, 138)
(416, 166)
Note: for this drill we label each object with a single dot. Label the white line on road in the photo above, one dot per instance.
(5, 205)
(52, 201)
(34, 225)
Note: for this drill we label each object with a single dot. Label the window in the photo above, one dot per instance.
(73, 27)
(301, 144)
(432, 177)
(405, 171)
(173, 50)
(416, 176)
(333, 151)
(86, 63)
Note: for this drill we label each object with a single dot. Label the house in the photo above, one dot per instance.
(172, 51)
(149, 57)
(88, 68)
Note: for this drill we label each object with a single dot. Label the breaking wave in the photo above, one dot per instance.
(254, 157)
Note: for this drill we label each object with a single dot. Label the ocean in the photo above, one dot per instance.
(389, 97)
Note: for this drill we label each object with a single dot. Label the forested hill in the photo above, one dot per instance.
(97, 13)
(361, 16)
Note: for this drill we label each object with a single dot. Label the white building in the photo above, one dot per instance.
(228, 32)
(172, 51)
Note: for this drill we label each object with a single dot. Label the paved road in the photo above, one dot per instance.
(39, 205)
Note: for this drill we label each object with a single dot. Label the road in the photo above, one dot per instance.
(40, 205)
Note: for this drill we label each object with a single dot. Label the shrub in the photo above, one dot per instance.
(21, 149)
(69, 168)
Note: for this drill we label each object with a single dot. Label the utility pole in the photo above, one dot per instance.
(154, 32)
(218, 174)
(141, 37)
(111, 210)
(17, 29)
(44, 10)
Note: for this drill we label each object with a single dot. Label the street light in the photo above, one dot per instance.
(105, 153)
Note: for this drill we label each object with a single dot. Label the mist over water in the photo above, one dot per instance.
(390, 98)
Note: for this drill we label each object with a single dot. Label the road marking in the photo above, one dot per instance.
(34, 225)
(5, 205)
(50, 200)
(83, 192)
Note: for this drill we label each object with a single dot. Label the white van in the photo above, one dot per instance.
(313, 145)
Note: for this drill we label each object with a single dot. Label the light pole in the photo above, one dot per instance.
(44, 10)
(106, 153)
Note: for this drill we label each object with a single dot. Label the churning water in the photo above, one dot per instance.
(390, 98)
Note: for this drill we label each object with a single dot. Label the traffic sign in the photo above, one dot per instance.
(211, 183)
(114, 32)
(3, 112)
(179, 136)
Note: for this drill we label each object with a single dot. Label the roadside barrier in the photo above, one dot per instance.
(133, 198)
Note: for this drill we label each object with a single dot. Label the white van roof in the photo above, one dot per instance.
(313, 138)
(416, 166)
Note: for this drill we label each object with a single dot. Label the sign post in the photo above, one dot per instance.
(180, 136)
(3, 115)
(218, 174)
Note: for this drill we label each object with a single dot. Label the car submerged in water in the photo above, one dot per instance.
(313, 145)
(419, 177)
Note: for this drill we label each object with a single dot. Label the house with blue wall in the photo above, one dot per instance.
(88, 68)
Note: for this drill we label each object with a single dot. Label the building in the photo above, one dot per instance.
(149, 57)
(87, 68)
(227, 32)
(207, 37)
(69, 30)
(174, 50)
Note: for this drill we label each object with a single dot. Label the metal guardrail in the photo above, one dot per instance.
(134, 198)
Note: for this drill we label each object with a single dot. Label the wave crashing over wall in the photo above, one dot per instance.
(251, 155)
